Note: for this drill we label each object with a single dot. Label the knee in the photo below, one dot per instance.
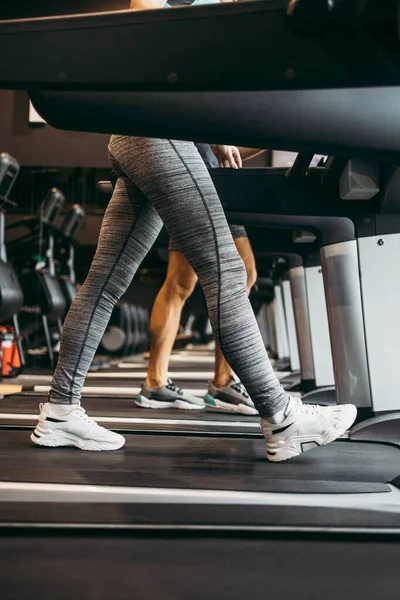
(234, 274)
(246, 254)
(180, 285)
(251, 277)
(243, 274)
(181, 279)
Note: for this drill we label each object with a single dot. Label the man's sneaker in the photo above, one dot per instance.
(232, 398)
(304, 427)
(62, 425)
(167, 396)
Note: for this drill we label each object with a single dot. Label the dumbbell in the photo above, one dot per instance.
(116, 338)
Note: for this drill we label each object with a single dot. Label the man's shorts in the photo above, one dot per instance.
(211, 162)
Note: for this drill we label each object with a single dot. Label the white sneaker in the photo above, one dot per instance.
(304, 427)
(62, 425)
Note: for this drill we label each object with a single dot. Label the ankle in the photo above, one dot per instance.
(280, 415)
(155, 382)
(221, 381)
(61, 408)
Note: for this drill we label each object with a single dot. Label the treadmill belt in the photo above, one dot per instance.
(192, 365)
(19, 405)
(202, 463)
(125, 382)
(124, 407)
(168, 566)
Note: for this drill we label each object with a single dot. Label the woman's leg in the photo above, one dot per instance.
(176, 182)
(129, 229)
(179, 187)
(173, 178)
(222, 371)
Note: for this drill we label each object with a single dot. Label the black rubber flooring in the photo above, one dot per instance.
(202, 463)
(94, 566)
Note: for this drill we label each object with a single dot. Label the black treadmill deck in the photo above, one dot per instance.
(186, 482)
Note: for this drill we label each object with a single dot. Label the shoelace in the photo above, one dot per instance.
(173, 387)
(308, 409)
(239, 387)
(81, 414)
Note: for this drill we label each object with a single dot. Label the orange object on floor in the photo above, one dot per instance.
(15, 358)
(6, 356)
(10, 356)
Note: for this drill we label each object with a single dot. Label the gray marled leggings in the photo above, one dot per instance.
(162, 181)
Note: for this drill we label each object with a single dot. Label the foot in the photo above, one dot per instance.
(167, 396)
(68, 425)
(304, 427)
(231, 398)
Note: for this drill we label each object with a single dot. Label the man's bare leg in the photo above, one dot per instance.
(166, 315)
(157, 391)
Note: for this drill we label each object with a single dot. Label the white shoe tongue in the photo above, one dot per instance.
(62, 409)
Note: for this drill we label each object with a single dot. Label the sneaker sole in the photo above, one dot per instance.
(144, 402)
(296, 445)
(243, 409)
(62, 440)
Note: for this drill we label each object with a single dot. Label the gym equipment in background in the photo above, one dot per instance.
(33, 258)
(11, 296)
(65, 252)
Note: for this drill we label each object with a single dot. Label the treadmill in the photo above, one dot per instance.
(175, 514)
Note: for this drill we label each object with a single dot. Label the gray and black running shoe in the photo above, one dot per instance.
(168, 396)
(232, 398)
